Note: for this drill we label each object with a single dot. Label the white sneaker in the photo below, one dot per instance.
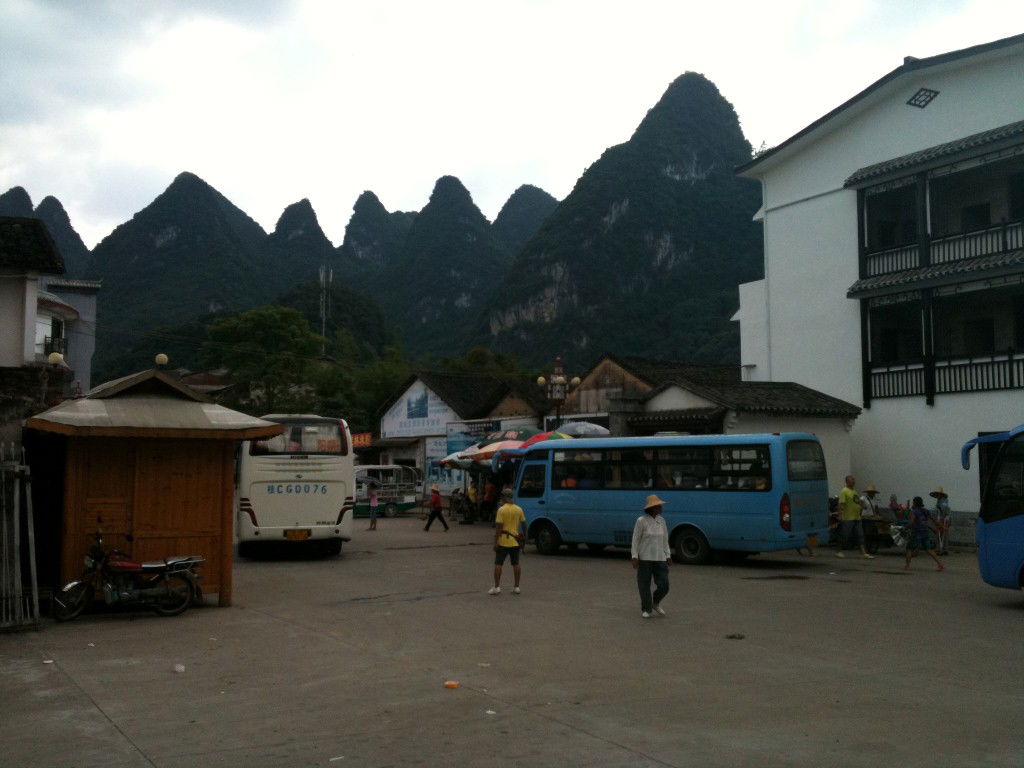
(659, 610)
(515, 590)
(645, 615)
(494, 591)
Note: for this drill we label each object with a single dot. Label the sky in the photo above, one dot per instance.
(104, 102)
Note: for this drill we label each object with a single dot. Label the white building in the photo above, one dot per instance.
(894, 265)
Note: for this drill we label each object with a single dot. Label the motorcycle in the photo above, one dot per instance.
(167, 586)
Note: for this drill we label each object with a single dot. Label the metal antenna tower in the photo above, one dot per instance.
(326, 280)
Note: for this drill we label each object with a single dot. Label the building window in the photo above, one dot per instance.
(978, 216)
(979, 323)
(896, 333)
(922, 98)
(891, 218)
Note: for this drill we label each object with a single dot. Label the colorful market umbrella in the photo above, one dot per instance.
(486, 452)
(453, 460)
(514, 433)
(583, 429)
(553, 435)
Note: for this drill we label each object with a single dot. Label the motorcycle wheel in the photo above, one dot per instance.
(177, 595)
(71, 600)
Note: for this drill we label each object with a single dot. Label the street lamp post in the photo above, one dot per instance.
(558, 388)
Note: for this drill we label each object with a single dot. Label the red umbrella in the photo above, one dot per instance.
(553, 435)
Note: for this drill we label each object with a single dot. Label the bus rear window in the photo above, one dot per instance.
(323, 438)
(805, 460)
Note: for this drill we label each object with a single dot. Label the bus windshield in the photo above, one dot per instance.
(320, 437)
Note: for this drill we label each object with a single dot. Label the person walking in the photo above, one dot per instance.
(509, 536)
(373, 507)
(651, 556)
(851, 506)
(920, 534)
(435, 508)
(942, 519)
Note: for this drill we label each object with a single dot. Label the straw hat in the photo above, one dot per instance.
(871, 488)
(653, 501)
(435, 488)
(938, 492)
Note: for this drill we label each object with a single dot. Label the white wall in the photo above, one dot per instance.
(831, 433)
(973, 97)
(17, 319)
(754, 339)
(675, 398)
(908, 448)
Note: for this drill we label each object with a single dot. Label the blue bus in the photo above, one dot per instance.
(737, 494)
(1000, 528)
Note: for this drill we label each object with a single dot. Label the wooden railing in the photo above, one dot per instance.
(982, 242)
(901, 380)
(1008, 236)
(978, 373)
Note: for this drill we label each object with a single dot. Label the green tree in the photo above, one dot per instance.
(272, 354)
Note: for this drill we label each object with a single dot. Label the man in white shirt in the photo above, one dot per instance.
(651, 556)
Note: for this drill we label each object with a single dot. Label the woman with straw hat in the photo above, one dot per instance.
(651, 556)
(942, 518)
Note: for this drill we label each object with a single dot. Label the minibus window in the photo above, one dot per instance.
(805, 460)
(741, 468)
(531, 485)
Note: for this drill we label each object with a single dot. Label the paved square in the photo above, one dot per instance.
(343, 662)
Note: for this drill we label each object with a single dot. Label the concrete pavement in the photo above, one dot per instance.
(782, 660)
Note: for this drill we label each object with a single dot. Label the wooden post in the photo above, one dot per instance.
(227, 528)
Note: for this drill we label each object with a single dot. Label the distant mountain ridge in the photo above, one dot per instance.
(643, 257)
(645, 254)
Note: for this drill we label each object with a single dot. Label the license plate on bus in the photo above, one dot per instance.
(297, 535)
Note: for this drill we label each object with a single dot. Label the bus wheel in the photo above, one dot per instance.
(391, 510)
(332, 547)
(247, 549)
(547, 539)
(690, 547)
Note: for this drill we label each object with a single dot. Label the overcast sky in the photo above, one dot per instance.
(103, 103)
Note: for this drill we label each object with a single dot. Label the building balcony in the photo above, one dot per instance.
(1001, 238)
(978, 373)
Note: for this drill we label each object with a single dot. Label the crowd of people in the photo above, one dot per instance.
(927, 529)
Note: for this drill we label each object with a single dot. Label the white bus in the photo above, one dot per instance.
(297, 486)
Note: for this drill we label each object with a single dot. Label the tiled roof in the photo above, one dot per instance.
(69, 284)
(26, 244)
(657, 372)
(1008, 262)
(682, 415)
(775, 397)
(940, 152)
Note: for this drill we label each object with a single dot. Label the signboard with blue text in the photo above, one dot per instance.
(417, 413)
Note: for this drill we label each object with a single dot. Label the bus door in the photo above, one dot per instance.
(532, 491)
(1001, 522)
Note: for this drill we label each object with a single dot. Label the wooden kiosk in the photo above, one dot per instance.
(148, 456)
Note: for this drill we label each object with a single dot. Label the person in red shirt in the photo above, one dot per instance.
(435, 508)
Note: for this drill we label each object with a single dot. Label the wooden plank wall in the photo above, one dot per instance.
(174, 496)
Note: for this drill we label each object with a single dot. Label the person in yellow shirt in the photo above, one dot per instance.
(851, 506)
(509, 536)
